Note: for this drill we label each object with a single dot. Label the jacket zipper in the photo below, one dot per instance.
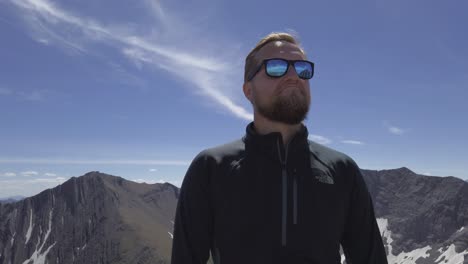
(284, 190)
(295, 197)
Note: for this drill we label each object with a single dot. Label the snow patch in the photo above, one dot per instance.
(403, 257)
(384, 231)
(39, 256)
(410, 257)
(28, 234)
(13, 239)
(450, 256)
(171, 235)
(461, 229)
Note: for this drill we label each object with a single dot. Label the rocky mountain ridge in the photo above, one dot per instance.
(100, 218)
(425, 216)
(96, 218)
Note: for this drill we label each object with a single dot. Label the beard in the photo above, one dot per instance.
(289, 109)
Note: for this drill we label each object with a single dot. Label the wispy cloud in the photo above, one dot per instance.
(320, 139)
(27, 186)
(85, 162)
(43, 41)
(353, 142)
(5, 91)
(393, 129)
(32, 95)
(204, 71)
(396, 130)
(48, 180)
(29, 173)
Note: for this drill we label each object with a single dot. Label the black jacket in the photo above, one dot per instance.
(255, 201)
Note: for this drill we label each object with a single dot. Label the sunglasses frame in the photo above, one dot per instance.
(290, 62)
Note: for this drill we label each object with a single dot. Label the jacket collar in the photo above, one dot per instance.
(271, 144)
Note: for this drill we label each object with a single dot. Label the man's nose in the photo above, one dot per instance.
(291, 73)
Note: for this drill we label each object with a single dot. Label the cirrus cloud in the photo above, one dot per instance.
(205, 71)
(394, 129)
(29, 173)
(352, 142)
(320, 139)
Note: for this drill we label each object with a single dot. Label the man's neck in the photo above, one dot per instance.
(264, 126)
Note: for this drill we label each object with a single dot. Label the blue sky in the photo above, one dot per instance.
(137, 89)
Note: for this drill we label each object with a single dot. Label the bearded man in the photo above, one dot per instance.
(273, 196)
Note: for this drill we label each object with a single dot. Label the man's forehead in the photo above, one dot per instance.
(281, 47)
(281, 44)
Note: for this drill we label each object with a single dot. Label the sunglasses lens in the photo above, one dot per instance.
(276, 68)
(304, 69)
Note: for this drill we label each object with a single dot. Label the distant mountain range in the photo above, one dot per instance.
(100, 218)
(11, 199)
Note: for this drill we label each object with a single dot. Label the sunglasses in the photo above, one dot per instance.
(277, 67)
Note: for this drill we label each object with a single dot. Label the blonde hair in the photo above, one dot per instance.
(251, 63)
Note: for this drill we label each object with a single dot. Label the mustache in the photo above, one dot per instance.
(287, 84)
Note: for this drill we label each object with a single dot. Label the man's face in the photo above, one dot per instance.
(285, 99)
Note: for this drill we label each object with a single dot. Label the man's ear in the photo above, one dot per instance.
(247, 88)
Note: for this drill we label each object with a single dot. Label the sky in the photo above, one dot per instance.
(138, 88)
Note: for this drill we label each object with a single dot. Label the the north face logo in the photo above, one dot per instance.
(324, 178)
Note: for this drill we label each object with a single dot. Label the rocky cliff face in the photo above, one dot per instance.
(423, 219)
(96, 218)
(99, 218)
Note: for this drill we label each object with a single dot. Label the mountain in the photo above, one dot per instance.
(100, 218)
(12, 199)
(423, 218)
(96, 218)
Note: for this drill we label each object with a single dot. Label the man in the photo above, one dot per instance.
(274, 196)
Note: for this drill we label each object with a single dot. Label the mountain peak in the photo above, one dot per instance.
(96, 174)
(92, 173)
(405, 170)
(398, 171)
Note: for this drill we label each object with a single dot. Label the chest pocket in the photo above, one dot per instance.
(320, 213)
(318, 193)
(243, 202)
